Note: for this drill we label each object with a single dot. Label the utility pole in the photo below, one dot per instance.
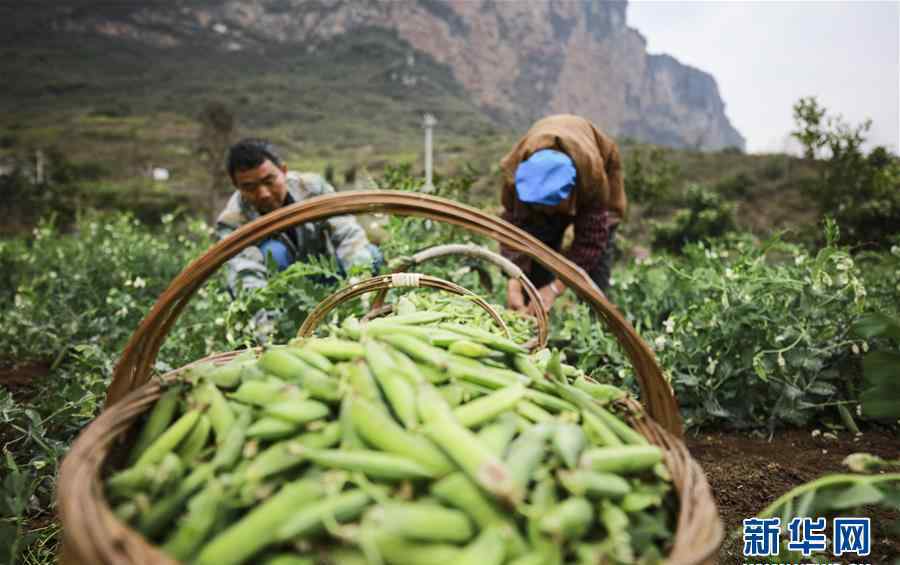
(428, 124)
(39, 167)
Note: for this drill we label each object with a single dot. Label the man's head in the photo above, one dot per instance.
(258, 172)
(546, 181)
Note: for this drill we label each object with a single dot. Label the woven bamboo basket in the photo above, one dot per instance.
(510, 269)
(93, 535)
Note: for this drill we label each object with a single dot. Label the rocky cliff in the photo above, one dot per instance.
(517, 60)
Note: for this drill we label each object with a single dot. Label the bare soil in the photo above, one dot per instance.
(747, 474)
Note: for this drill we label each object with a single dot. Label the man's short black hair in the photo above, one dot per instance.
(249, 153)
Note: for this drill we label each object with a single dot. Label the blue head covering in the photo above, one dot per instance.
(547, 178)
(278, 251)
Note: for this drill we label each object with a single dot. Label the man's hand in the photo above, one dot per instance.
(515, 299)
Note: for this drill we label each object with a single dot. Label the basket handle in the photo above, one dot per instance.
(382, 284)
(135, 366)
(508, 267)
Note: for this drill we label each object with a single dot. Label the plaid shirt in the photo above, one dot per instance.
(591, 235)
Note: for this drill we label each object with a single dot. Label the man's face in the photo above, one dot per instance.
(264, 187)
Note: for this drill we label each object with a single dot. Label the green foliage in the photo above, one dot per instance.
(809, 118)
(751, 333)
(650, 176)
(707, 215)
(862, 192)
(881, 368)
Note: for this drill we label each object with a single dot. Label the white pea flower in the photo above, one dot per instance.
(865, 346)
(711, 367)
(781, 361)
(855, 349)
(660, 341)
(799, 260)
(220, 321)
(895, 250)
(670, 325)
(139, 283)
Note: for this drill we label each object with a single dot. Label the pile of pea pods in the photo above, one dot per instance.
(407, 440)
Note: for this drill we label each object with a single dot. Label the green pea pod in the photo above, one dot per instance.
(349, 438)
(196, 526)
(230, 450)
(291, 559)
(362, 382)
(269, 428)
(258, 529)
(398, 391)
(620, 428)
(194, 443)
(284, 365)
(621, 459)
(153, 522)
(288, 454)
(459, 491)
(372, 463)
(434, 375)
(297, 411)
(487, 338)
(533, 412)
(489, 548)
(265, 392)
(463, 446)
(397, 551)
(334, 348)
(426, 522)
(220, 414)
(498, 435)
(543, 501)
(310, 518)
(416, 318)
(312, 358)
(169, 440)
(594, 485)
(489, 407)
(468, 348)
(406, 366)
(602, 393)
(597, 430)
(568, 442)
(157, 422)
(526, 453)
(454, 394)
(378, 429)
(570, 520)
(418, 349)
(550, 402)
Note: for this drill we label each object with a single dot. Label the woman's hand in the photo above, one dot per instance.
(515, 298)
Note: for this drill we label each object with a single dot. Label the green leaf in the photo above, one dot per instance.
(882, 367)
(878, 403)
(877, 324)
(860, 494)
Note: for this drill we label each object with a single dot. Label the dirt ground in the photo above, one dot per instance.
(747, 474)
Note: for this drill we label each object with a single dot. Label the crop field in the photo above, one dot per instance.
(774, 348)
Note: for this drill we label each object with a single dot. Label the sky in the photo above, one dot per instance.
(765, 55)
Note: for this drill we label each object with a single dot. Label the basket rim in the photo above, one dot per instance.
(135, 366)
